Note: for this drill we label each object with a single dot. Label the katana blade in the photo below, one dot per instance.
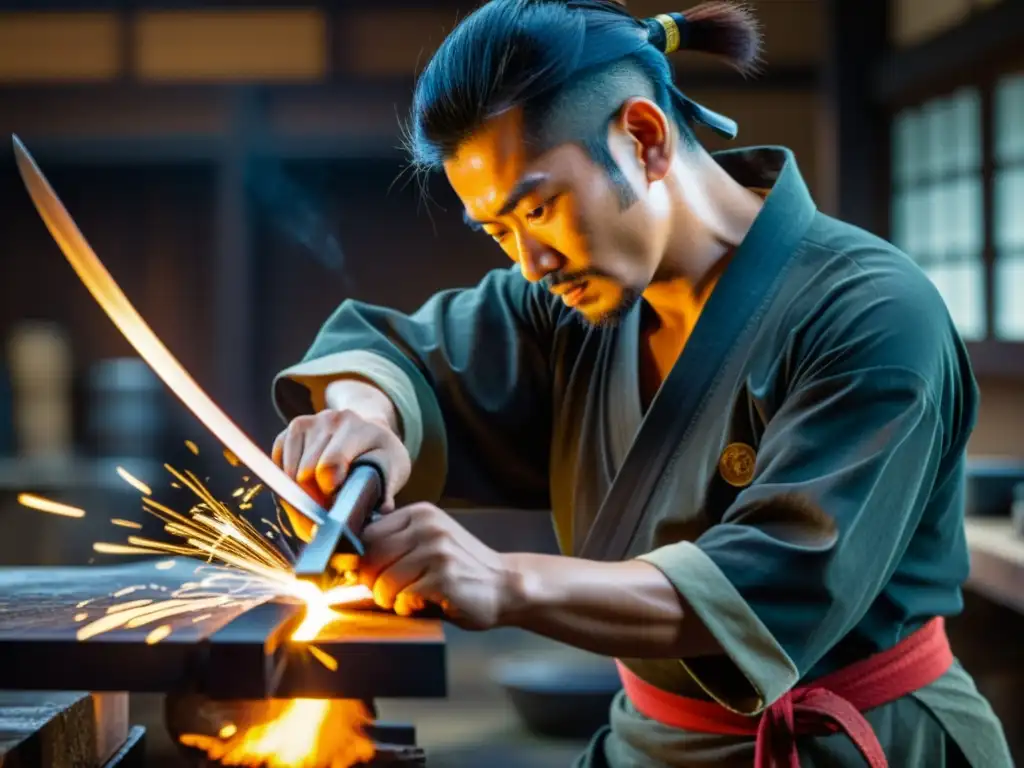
(111, 298)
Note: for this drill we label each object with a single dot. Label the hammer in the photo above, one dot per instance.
(353, 508)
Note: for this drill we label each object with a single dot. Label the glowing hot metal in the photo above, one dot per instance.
(113, 301)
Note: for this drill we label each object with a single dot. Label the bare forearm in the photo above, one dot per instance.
(365, 399)
(627, 609)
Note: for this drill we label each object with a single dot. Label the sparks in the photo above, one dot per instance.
(127, 524)
(134, 482)
(324, 658)
(192, 447)
(46, 505)
(304, 733)
(158, 634)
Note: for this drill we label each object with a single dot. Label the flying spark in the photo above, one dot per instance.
(134, 482)
(46, 505)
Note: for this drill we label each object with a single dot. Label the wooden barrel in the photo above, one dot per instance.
(40, 368)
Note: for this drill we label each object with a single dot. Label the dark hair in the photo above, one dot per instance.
(570, 64)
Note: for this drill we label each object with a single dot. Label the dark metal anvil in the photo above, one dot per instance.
(238, 652)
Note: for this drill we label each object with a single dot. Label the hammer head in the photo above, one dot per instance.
(354, 505)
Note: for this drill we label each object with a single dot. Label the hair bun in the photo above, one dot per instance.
(668, 32)
(727, 30)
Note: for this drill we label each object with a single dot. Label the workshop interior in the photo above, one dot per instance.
(205, 182)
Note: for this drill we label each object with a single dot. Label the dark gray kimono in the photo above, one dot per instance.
(811, 506)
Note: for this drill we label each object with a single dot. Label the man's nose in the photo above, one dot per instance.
(536, 260)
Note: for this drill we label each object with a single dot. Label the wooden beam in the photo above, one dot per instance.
(90, 5)
(902, 76)
(855, 37)
(128, 123)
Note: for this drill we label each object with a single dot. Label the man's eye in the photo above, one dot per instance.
(541, 211)
(498, 236)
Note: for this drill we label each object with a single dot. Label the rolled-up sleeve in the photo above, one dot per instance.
(462, 372)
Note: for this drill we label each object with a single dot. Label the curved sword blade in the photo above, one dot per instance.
(109, 296)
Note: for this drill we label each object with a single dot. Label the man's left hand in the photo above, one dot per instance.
(419, 554)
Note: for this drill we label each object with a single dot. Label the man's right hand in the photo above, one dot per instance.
(317, 451)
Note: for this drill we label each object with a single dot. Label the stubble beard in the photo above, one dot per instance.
(612, 318)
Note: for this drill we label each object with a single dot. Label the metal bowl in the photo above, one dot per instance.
(560, 696)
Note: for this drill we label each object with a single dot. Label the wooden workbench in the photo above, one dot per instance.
(997, 561)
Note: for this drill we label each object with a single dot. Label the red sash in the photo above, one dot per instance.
(831, 704)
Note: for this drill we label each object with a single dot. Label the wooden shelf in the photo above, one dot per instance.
(997, 561)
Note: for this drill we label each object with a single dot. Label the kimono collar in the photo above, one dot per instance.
(788, 209)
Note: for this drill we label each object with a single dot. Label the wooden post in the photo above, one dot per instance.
(234, 273)
(855, 41)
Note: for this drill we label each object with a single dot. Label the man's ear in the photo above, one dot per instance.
(650, 130)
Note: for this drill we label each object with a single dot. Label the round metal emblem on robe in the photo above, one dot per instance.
(737, 464)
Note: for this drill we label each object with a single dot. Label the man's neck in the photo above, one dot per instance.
(711, 215)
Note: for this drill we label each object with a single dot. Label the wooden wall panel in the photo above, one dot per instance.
(65, 47)
(391, 43)
(231, 45)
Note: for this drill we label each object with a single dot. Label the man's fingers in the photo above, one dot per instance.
(415, 597)
(302, 526)
(291, 452)
(397, 577)
(386, 527)
(383, 554)
(334, 461)
(275, 452)
(407, 602)
(314, 446)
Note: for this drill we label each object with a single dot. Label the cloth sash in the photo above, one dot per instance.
(831, 704)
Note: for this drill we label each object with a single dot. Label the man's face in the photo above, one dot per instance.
(559, 216)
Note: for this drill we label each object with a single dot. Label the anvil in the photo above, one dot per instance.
(239, 652)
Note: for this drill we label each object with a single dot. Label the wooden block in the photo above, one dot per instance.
(47, 729)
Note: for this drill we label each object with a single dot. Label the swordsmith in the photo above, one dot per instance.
(337, 530)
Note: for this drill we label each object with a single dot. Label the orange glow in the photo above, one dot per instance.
(303, 733)
(306, 733)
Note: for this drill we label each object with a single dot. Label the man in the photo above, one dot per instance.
(749, 419)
